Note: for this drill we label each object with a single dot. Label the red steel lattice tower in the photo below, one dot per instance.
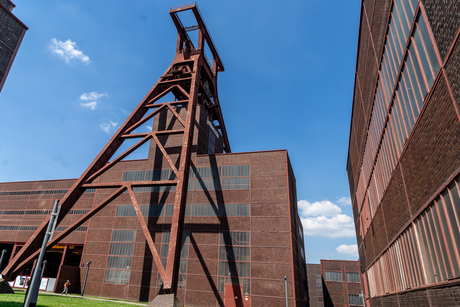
(192, 79)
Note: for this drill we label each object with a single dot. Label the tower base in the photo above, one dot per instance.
(165, 300)
(5, 287)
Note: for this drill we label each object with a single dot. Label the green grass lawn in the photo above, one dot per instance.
(49, 300)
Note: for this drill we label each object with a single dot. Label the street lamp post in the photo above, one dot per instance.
(86, 276)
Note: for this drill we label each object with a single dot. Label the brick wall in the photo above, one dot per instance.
(432, 153)
(444, 19)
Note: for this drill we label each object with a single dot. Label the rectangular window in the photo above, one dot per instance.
(221, 210)
(183, 256)
(146, 210)
(123, 235)
(119, 262)
(353, 277)
(355, 299)
(234, 257)
(333, 276)
(117, 277)
(418, 70)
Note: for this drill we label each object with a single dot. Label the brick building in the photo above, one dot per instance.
(12, 31)
(404, 152)
(241, 231)
(335, 283)
(315, 285)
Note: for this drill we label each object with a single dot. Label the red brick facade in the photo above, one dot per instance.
(405, 197)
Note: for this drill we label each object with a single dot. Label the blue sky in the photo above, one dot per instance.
(83, 66)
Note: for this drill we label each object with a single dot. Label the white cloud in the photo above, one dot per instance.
(325, 219)
(348, 249)
(107, 127)
(344, 201)
(67, 51)
(93, 98)
(92, 105)
(149, 128)
(323, 207)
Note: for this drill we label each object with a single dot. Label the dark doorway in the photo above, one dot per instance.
(9, 250)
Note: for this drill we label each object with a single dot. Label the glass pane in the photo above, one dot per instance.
(392, 59)
(404, 22)
(425, 253)
(413, 3)
(409, 93)
(384, 79)
(416, 82)
(396, 43)
(451, 213)
(411, 240)
(408, 116)
(410, 260)
(423, 56)
(434, 258)
(401, 126)
(421, 85)
(445, 226)
(429, 46)
(438, 243)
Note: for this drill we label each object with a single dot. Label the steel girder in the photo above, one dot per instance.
(182, 78)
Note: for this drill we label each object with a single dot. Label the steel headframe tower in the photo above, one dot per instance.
(183, 79)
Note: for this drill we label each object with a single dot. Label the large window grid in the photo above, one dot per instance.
(234, 260)
(418, 71)
(120, 256)
(40, 212)
(355, 300)
(427, 252)
(190, 210)
(353, 277)
(58, 228)
(146, 210)
(164, 250)
(220, 210)
(230, 177)
(333, 276)
(39, 192)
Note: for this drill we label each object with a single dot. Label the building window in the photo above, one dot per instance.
(333, 276)
(234, 257)
(355, 300)
(319, 283)
(422, 247)
(320, 299)
(231, 177)
(183, 257)
(120, 256)
(219, 210)
(402, 93)
(353, 277)
(183, 260)
(146, 210)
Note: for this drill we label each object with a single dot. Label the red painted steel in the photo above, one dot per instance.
(185, 83)
(233, 296)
